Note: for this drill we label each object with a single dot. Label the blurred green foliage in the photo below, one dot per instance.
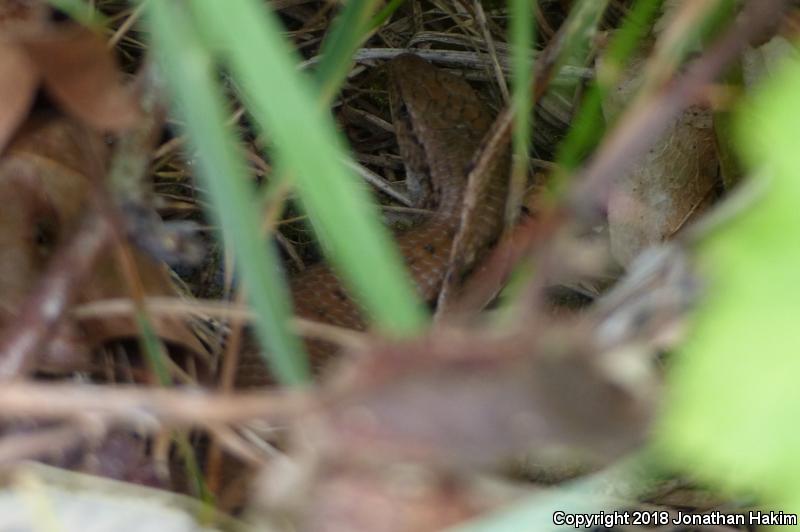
(734, 403)
(192, 41)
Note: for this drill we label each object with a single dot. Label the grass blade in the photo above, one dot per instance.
(340, 210)
(188, 67)
(348, 31)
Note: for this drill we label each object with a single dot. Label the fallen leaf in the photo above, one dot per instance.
(673, 182)
(18, 81)
(45, 187)
(80, 73)
(71, 61)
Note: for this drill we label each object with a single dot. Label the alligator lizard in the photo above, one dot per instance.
(440, 122)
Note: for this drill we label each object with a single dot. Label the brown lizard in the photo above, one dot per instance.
(440, 124)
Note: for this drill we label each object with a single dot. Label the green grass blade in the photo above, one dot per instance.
(734, 403)
(348, 31)
(521, 32)
(81, 11)
(189, 70)
(579, 31)
(384, 14)
(339, 207)
(589, 125)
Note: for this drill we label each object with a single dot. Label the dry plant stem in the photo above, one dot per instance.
(494, 144)
(133, 280)
(635, 132)
(487, 35)
(39, 317)
(518, 243)
(230, 362)
(46, 442)
(642, 124)
(114, 220)
(149, 408)
(227, 438)
(346, 338)
(125, 26)
(128, 171)
(454, 58)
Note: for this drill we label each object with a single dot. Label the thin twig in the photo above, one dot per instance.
(38, 320)
(221, 310)
(647, 119)
(148, 408)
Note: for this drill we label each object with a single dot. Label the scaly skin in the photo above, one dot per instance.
(440, 123)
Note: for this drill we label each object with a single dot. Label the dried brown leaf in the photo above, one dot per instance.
(45, 187)
(18, 81)
(80, 72)
(14, 14)
(672, 183)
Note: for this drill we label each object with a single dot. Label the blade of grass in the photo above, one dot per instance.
(521, 34)
(582, 23)
(571, 45)
(81, 11)
(348, 31)
(188, 68)
(384, 14)
(341, 212)
(581, 27)
(745, 438)
(588, 126)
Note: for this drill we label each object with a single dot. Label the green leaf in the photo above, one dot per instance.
(734, 401)
(338, 205)
(521, 34)
(588, 126)
(192, 81)
(347, 32)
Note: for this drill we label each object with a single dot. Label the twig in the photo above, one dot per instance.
(636, 131)
(221, 310)
(147, 408)
(642, 124)
(46, 442)
(40, 315)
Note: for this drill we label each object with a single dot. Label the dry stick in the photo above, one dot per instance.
(227, 378)
(40, 315)
(47, 442)
(642, 124)
(635, 132)
(149, 408)
(125, 27)
(231, 362)
(346, 338)
(493, 146)
(480, 16)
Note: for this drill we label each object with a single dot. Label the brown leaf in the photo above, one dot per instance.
(672, 183)
(45, 189)
(74, 64)
(15, 13)
(80, 72)
(18, 82)
(109, 283)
